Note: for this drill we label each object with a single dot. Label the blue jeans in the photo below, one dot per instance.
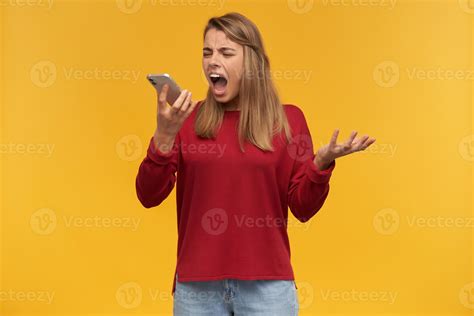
(235, 297)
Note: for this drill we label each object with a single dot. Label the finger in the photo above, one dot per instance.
(358, 143)
(191, 108)
(332, 143)
(179, 101)
(348, 143)
(185, 105)
(367, 143)
(162, 97)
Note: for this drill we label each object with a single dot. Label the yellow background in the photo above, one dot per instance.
(396, 222)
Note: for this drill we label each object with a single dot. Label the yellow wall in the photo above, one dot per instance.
(395, 235)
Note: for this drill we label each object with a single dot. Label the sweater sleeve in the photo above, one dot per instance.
(309, 186)
(157, 174)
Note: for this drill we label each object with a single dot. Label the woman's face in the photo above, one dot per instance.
(222, 62)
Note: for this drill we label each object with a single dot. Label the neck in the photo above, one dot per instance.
(232, 105)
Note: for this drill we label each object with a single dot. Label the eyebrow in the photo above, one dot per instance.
(221, 49)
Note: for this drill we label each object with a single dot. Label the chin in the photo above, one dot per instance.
(222, 98)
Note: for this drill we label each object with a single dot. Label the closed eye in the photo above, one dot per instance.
(225, 55)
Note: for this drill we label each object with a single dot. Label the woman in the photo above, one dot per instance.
(239, 159)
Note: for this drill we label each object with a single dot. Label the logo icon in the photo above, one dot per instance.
(43, 221)
(215, 221)
(129, 148)
(386, 221)
(129, 295)
(386, 74)
(301, 147)
(43, 74)
(129, 6)
(300, 6)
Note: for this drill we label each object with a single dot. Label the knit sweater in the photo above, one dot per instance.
(232, 206)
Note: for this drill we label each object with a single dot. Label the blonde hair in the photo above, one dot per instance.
(261, 113)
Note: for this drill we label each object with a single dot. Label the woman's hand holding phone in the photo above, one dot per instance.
(170, 119)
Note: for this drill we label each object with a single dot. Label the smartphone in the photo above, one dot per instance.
(159, 80)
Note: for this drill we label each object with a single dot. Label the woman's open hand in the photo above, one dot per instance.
(327, 153)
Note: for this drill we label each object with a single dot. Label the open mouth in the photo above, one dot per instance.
(219, 83)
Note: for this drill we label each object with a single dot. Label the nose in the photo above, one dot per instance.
(214, 61)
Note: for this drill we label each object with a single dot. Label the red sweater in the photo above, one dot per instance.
(232, 207)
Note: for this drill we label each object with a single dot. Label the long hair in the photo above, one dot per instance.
(261, 113)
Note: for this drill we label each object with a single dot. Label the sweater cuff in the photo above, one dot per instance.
(319, 176)
(159, 157)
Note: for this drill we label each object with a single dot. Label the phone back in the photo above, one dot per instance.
(159, 80)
